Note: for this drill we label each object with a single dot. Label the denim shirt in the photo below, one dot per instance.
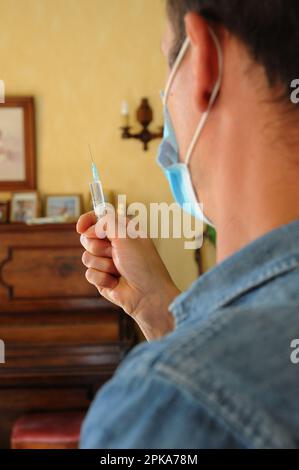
(224, 378)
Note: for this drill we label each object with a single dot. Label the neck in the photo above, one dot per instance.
(266, 198)
(253, 184)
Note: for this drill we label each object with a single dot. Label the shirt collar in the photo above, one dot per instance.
(270, 256)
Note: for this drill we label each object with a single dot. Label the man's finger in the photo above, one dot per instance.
(86, 221)
(101, 280)
(97, 247)
(90, 232)
(112, 226)
(104, 265)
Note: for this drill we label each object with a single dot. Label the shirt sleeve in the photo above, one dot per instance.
(141, 409)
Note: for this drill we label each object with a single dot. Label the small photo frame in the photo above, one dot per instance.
(24, 206)
(68, 206)
(4, 212)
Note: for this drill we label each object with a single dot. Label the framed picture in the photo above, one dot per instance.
(24, 206)
(68, 206)
(4, 212)
(17, 144)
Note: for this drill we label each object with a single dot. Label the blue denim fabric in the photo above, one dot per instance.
(223, 378)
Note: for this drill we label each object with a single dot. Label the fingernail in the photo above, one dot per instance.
(83, 239)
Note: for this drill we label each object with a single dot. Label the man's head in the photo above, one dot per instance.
(268, 28)
(259, 40)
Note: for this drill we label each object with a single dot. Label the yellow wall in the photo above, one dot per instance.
(80, 59)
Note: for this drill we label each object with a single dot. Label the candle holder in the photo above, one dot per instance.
(144, 116)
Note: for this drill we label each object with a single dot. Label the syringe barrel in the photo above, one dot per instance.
(98, 199)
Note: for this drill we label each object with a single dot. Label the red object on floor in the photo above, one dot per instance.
(47, 431)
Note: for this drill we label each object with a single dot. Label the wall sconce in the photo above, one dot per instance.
(144, 116)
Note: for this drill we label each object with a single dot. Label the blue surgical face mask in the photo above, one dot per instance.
(177, 173)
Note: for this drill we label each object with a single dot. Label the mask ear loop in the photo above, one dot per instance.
(215, 92)
(174, 70)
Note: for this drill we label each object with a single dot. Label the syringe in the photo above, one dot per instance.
(96, 190)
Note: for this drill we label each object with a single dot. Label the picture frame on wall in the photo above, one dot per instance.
(17, 144)
(63, 205)
(24, 206)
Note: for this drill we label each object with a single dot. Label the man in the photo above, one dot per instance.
(219, 372)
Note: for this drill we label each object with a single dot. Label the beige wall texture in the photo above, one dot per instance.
(80, 59)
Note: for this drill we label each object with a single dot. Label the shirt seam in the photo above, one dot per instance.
(224, 415)
(180, 310)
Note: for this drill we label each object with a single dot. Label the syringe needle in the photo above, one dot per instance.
(90, 152)
(95, 172)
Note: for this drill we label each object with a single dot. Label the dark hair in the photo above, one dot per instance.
(269, 29)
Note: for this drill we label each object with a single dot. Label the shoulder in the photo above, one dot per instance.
(236, 364)
(144, 406)
(242, 332)
(211, 384)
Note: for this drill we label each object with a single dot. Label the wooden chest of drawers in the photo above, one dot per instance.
(62, 340)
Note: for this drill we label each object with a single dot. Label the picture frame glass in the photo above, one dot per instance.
(17, 144)
(67, 206)
(12, 148)
(24, 207)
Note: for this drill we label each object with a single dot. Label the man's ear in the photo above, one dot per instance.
(204, 58)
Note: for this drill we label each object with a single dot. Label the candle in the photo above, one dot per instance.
(125, 114)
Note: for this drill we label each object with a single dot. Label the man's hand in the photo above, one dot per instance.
(128, 272)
